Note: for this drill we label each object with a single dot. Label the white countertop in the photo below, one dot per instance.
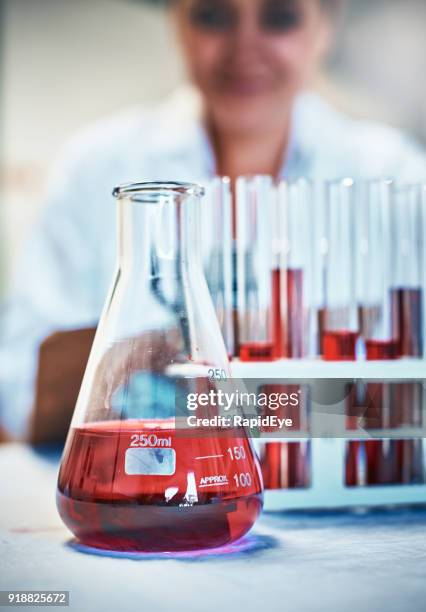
(316, 561)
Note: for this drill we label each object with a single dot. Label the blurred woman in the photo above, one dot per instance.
(248, 111)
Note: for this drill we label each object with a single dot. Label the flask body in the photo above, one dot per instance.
(142, 469)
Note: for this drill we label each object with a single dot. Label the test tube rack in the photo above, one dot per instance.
(327, 488)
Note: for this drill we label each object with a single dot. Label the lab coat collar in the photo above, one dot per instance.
(183, 139)
(311, 125)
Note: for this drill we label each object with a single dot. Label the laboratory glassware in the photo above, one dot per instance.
(134, 476)
(408, 303)
(376, 265)
(374, 461)
(296, 330)
(217, 253)
(423, 265)
(340, 322)
(387, 406)
(255, 210)
(319, 264)
(287, 464)
(407, 291)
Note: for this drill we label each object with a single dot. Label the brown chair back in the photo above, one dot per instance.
(61, 364)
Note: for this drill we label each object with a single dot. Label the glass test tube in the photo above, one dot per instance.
(292, 279)
(376, 263)
(319, 261)
(386, 405)
(217, 249)
(407, 294)
(341, 328)
(286, 464)
(254, 254)
(408, 301)
(374, 461)
(423, 265)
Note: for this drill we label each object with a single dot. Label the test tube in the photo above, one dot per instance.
(319, 265)
(386, 405)
(294, 314)
(287, 464)
(255, 208)
(407, 293)
(374, 240)
(376, 263)
(340, 321)
(408, 308)
(423, 266)
(217, 253)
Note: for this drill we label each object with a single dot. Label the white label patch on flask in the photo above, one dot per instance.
(150, 461)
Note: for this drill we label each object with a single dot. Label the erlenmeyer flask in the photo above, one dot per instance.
(135, 475)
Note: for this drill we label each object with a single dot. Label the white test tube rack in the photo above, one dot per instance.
(327, 455)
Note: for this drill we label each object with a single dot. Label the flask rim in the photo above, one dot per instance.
(157, 188)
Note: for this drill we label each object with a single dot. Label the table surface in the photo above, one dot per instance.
(299, 561)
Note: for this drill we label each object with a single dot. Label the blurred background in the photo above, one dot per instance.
(67, 63)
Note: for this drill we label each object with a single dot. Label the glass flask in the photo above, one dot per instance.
(135, 475)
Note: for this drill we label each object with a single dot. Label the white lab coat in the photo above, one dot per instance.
(67, 265)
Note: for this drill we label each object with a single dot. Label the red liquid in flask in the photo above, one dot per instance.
(339, 345)
(135, 486)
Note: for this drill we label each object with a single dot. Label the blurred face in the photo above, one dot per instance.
(249, 58)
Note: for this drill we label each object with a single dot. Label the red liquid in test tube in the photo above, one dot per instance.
(339, 345)
(387, 405)
(276, 314)
(285, 465)
(339, 320)
(378, 350)
(288, 335)
(407, 320)
(257, 351)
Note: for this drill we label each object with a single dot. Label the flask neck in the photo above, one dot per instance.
(159, 239)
